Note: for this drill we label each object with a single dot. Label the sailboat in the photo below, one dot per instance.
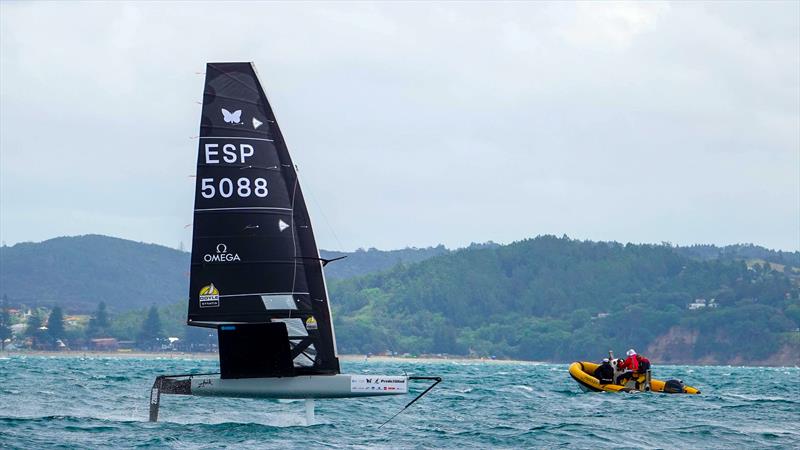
(256, 273)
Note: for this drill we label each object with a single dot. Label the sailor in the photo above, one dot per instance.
(605, 372)
(644, 363)
(630, 366)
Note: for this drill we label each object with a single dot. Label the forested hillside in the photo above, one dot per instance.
(362, 262)
(546, 298)
(741, 251)
(558, 299)
(79, 272)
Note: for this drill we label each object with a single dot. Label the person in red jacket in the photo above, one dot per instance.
(630, 366)
(644, 363)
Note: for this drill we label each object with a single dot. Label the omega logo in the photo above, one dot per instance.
(222, 255)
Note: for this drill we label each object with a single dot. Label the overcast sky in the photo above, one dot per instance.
(415, 124)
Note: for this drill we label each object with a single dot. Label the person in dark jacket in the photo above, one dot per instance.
(605, 372)
(644, 363)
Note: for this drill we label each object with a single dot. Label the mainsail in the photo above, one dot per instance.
(254, 257)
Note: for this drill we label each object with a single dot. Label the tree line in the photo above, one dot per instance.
(546, 298)
(45, 329)
(560, 299)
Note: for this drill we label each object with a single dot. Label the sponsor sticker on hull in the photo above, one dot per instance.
(375, 383)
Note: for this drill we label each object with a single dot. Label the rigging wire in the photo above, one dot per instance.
(294, 242)
(325, 217)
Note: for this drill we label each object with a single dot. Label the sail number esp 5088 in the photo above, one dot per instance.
(225, 187)
(242, 187)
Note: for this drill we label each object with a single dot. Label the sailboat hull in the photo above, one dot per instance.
(310, 386)
(307, 387)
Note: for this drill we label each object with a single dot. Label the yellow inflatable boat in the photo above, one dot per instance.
(583, 373)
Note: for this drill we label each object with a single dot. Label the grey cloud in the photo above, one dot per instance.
(414, 123)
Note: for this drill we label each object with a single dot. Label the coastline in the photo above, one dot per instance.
(347, 358)
(214, 356)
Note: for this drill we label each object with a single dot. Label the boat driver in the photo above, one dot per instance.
(605, 372)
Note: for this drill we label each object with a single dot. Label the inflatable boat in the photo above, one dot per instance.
(583, 373)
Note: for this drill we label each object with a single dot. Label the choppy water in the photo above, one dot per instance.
(102, 402)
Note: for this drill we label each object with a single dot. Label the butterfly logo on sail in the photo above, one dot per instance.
(232, 117)
(209, 296)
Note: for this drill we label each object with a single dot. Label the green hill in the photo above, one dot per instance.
(558, 299)
(741, 251)
(80, 271)
(362, 262)
(546, 298)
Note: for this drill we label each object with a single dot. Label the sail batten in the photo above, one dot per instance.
(254, 256)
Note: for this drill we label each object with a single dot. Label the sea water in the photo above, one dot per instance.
(102, 402)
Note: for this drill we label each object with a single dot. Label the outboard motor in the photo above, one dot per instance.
(673, 387)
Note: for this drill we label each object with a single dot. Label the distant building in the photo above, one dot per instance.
(74, 320)
(700, 303)
(171, 343)
(104, 345)
(126, 345)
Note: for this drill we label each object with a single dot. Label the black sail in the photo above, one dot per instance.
(254, 257)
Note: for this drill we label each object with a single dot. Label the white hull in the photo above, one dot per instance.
(307, 387)
(314, 386)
